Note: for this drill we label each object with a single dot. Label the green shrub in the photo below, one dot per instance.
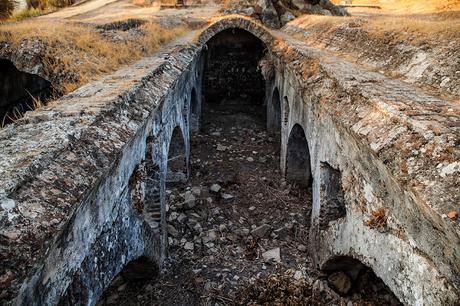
(7, 8)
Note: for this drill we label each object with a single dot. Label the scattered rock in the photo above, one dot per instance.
(286, 17)
(173, 231)
(261, 231)
(189, 246)
(250, 159)
(340, 281)
(273, 254)
(227, 198)
(215, 188)
(189, 199)
(221, 148)
(196, 191)
(453, 215)
(302, 248)
(13, 235)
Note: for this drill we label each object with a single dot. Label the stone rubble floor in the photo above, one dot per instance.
(245, 244)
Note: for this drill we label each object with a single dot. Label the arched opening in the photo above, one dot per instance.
(233, 86)
(152, 185)
(274, 114)
(331, 196)
(298, 169)
(194, 112)
(20, 92)
(350, 277)
(177, 160)
(126, 284)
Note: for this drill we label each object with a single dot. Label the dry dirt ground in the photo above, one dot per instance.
(245, 244)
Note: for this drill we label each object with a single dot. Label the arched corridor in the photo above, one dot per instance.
(298, 168)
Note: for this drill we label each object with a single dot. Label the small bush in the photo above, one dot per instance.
(27, 13)
(61, 3)
(7, 8)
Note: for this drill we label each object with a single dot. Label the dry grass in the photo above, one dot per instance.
(378, 219)
(408, 28)
(82, 54)
(411, 6)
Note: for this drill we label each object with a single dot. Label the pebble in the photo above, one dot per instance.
(250, 159)
(227, 198)
(189, 246)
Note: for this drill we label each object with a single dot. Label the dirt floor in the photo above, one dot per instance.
(245, 244)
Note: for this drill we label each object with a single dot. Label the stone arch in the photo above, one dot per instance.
(348, 275)
(152, 189)
(332, 205)
(20, 92)
(239, 22)
(298, 168)
(231, 71)
(139, 269)
(274, 113)
(177, 161)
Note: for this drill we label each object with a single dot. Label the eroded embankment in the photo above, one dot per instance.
(71, 188)
(417, 49)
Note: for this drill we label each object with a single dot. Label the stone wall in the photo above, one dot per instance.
(70, 216)
(355, 122)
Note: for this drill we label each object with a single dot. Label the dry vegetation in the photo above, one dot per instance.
(78, 53)
(408, 28)
(411, 6)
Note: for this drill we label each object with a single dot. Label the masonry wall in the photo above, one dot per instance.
(367, 186)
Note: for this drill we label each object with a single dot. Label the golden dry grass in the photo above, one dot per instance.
(82, 52)
(407, 28)
(411, 6)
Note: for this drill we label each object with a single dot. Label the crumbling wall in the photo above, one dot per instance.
(70, 217)
(350, 121)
